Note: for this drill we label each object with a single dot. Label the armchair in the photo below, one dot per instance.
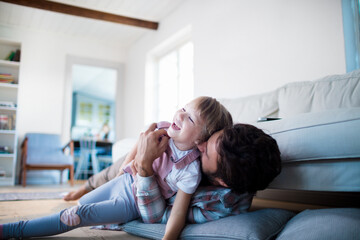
(41, 151)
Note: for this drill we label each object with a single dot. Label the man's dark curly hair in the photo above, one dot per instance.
(249, 158)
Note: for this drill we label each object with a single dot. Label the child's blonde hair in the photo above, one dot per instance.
(214, 115)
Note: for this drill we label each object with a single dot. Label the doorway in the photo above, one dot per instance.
(92, 118)
(92, 104)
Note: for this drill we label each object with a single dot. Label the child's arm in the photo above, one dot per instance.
(178, 214)
(129, 157)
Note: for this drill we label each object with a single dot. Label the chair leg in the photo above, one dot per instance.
(94, 162)
(61, 176)
(24, 177)
(71, 175)
(77, 168)
(20, 175)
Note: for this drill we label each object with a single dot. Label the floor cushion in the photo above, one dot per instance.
(261, 224)
(323, 224)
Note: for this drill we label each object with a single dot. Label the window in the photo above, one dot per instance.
(351, 21)
(172, 85)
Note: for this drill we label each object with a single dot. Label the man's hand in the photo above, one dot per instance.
(151, 145)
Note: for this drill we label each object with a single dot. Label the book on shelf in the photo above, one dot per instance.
(14, 56)
(17, 56)
(8, 104)
(2, 173)
(10, 56)
(6, 78)
(7, 121)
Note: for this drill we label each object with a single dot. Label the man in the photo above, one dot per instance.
(237, 161)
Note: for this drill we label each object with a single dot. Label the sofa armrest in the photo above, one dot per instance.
(122, 147)
(71, 146)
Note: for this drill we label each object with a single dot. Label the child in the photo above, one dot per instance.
(177, 171)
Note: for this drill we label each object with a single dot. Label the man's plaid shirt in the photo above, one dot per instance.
(207, 204)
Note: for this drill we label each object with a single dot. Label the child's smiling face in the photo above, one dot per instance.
(186, 127)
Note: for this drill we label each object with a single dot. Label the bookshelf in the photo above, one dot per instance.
(9, 84)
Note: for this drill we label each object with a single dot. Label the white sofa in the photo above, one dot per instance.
(318, 134)
(319, 139)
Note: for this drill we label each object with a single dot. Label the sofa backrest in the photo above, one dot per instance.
(332, 92)
(249, 109)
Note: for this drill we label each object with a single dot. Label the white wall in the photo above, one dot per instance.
(42, 74)
(41, 95)
(244, 47)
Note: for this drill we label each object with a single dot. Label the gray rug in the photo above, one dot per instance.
(31, 196)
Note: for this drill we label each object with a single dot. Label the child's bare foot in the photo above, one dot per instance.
(75, 195)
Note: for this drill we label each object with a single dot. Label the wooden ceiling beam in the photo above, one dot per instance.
(84, 12)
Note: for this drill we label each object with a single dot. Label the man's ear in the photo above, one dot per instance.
(221, 182)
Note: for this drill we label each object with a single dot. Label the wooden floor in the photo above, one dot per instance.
(11, 211)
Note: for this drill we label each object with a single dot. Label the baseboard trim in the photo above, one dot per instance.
(332, 199)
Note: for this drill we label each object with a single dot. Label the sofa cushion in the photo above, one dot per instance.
(249, 109)
(320, 151)
(319, 135)
(336, 91)
(326, 224)
(261, 224)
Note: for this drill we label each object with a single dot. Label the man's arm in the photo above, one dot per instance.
(210, 203)
(151, 145)
(150, 202)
